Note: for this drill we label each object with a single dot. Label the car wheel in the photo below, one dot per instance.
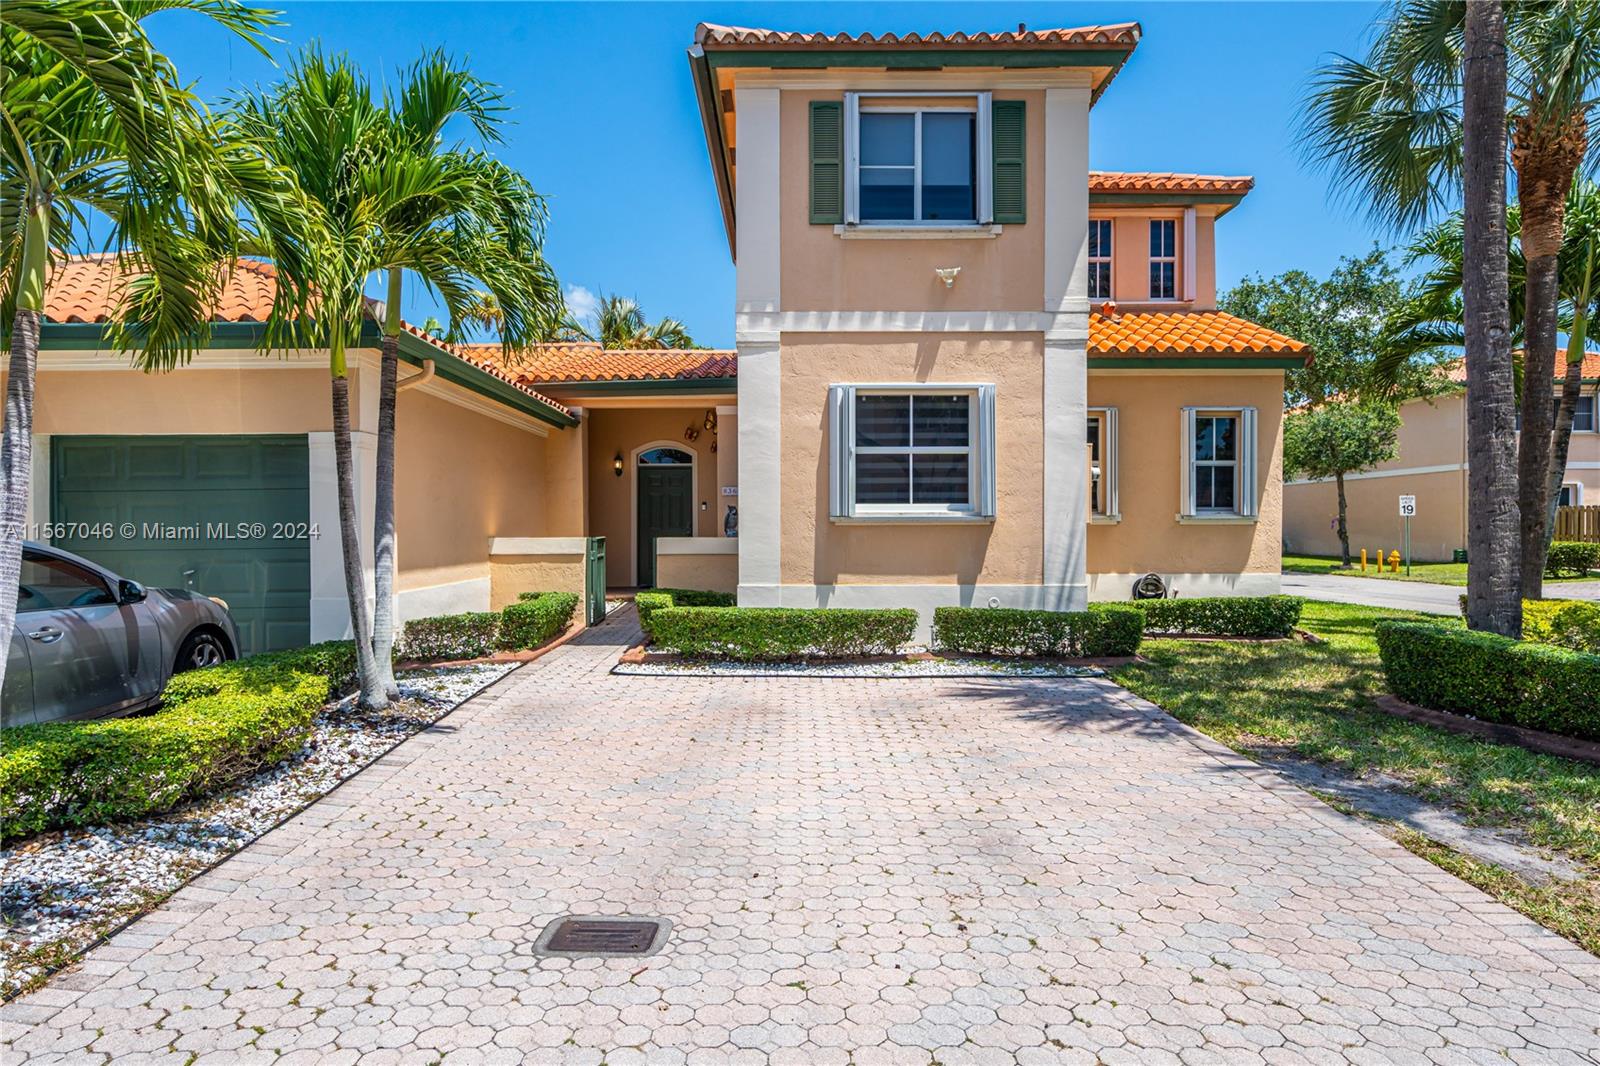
(201, 650)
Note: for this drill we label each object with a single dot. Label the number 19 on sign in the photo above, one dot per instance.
(1408, 510)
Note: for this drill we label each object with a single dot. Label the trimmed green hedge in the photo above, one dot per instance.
(1492, 677)
(471, 635)
(1104, 629)
(535, 618)
(1572, 558)
(1571, 624)
(647, 603)
(215, 726)
(773, 634)
(1223, 616)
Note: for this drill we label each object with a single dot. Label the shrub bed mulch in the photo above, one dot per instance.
(641, 662)
(65, 891)
(1500, 732)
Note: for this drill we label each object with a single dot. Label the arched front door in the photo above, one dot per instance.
(665, 504)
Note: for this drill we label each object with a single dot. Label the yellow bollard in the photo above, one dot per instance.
(1394, 562)
(1363, 560)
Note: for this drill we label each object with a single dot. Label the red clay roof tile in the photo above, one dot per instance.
(1186, 333)
(88, 289)
(1148, 181)
(1457, 371)
(579, 361)
(1117, 35)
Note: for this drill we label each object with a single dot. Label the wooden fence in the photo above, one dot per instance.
(1578, 523)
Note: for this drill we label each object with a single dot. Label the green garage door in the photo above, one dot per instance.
(223, 515)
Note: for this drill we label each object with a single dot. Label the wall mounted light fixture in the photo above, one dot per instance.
(947, 275)
(616, 464)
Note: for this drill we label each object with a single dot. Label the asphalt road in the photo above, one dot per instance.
(1410, 595)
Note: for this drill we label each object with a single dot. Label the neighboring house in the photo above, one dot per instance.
(1431, 464)
(968, 370)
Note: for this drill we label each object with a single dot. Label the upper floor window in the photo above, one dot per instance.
(1163, 259)
(1583, 420)
(1099, 259)
(914, 160)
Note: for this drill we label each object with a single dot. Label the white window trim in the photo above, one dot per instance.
(1108, 467)
(1577, 492)
(1110, 250)
(1173, 259)
(1246, 505)
(983, 225)
(843, 450)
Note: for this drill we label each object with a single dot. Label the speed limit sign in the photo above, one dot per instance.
(1408, 506)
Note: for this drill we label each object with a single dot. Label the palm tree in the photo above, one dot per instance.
(93, 119)
(622, 325)
(387, 201)
(481, 314)
(455, 217)
(1494, 587)
(1391, 126)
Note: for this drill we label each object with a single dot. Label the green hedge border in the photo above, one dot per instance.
(1104, 630)
(1492, 677)
(1223, 616)
(781, 634)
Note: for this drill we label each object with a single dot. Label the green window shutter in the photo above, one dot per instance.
(1009, 134)
(827, 161)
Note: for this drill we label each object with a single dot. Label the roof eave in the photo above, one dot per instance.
(705, 91)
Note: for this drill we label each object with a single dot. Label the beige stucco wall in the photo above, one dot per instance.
(566, 482)
(716, 573)
(1373, 515)
(1008, 551)
(460, 479)
(1149, 460)
(186, 400)
(822, 271)
(611, 498)
(511, 575)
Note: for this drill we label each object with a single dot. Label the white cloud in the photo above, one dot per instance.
(584, 305)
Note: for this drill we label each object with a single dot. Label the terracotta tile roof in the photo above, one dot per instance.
(1184, 333)
(553, 364)
(1118, 35)
(1131, 181)
(1457, 371)
(88, 288)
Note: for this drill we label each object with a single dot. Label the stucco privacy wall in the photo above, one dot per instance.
(822, 272)
(1007, 551)
(612, 499)
(557, 567)
(1373, 515)
(460, 479)
(704, 563)
(1150, 537)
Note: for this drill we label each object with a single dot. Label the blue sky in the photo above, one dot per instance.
(605, 123)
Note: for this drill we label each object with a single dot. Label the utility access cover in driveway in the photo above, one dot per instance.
(596, 937)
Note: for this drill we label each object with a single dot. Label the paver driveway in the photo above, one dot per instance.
(913, 870)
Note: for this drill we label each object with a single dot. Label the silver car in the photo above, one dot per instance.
(89, 643)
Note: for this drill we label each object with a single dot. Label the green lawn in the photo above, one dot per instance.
(1293, 699)
(1439, 573)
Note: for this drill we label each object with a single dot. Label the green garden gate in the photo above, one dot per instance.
(594, 581)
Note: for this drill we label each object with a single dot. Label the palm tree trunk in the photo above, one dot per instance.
(1344, 528)
(1494, 587)
(16, 449)
(372, 693)
(1571, 385)
(1546, 156)
(383, 553)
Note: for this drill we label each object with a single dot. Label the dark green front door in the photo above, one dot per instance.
(666, 509)
(225, 516)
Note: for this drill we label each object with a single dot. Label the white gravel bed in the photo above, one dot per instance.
(62, 891)
(939, 667)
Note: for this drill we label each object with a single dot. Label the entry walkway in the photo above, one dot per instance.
(894, 870)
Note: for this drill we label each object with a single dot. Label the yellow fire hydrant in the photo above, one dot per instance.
(1394, 562)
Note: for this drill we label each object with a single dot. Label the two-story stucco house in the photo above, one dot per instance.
(968, 370)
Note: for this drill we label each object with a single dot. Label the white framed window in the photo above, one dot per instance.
(1102, 458)
(911, 450)
(911, 163)
(1099, 259)
(1583, 420)
(1219, 462)
(1571, 495)
(1163, 259)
